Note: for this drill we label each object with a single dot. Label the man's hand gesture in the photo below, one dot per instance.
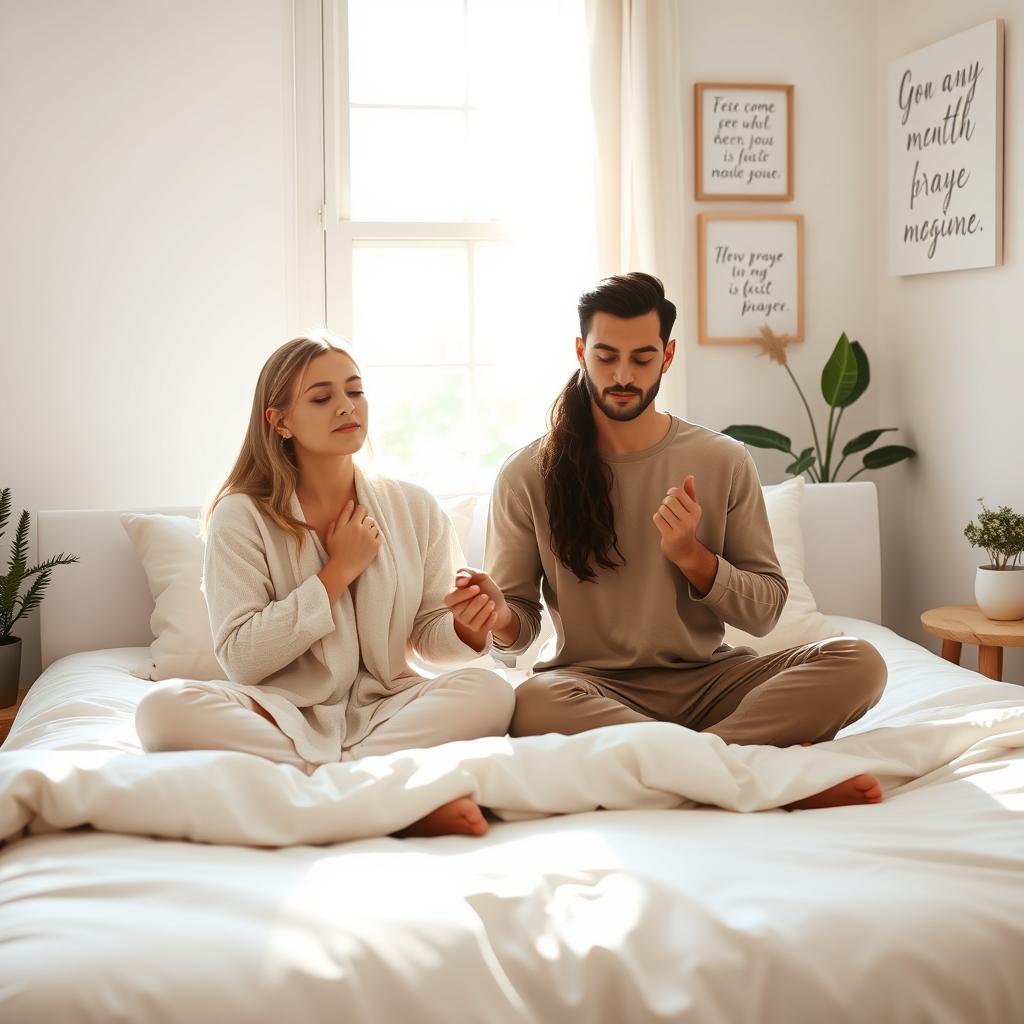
(478, 607)
(677, 519)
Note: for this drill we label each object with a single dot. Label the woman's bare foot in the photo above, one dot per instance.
(861, 789)
(459, 817)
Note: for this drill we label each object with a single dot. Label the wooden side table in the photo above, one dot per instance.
(960, 624)
(7, 715)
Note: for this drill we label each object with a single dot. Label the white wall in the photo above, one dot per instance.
(146, 230)
(825, 48)
(953, 358)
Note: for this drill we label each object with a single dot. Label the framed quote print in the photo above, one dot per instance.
(744, 141)
(944, 116)
(751, 275)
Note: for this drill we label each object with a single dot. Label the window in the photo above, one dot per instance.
(458, 220)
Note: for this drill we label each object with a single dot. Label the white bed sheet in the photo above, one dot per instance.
(910, 910)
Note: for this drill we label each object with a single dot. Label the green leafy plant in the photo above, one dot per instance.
(1000, 533)
(843, 380)
(13, 603)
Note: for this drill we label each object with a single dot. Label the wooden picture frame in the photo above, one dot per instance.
(751, 260)
(740, 150)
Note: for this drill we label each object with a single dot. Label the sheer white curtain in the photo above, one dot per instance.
(636, 93)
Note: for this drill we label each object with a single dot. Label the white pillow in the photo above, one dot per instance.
(801, 622)
(461, 510)
(172, 553)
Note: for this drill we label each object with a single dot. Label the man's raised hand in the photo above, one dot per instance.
(677, 519)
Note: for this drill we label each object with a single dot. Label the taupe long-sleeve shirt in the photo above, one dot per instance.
(644, 614)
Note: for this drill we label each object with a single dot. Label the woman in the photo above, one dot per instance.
(321, 583)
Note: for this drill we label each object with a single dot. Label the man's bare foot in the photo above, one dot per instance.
(459, 817)
(861, 789)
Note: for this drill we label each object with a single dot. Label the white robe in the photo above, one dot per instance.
(327, 673)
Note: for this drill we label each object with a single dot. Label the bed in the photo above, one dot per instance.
(665, 910)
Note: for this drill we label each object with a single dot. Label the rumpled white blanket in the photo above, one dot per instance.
(227, 797)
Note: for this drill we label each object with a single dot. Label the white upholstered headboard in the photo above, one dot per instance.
(842, 549)
(104, 601)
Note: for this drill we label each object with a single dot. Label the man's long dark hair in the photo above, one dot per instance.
(577, 481)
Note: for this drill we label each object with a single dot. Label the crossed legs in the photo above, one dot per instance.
(181, 714)
(800, 695)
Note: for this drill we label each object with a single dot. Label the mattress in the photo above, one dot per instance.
(910, 910)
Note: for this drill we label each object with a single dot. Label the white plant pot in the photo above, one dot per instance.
(1000, 592)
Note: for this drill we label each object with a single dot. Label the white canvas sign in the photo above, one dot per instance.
(751, 275)
(944, 115)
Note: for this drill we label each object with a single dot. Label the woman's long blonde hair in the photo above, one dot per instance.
(266, 469)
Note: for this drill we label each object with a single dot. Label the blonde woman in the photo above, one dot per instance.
(321, 584)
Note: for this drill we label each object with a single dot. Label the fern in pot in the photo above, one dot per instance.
(999, 586)
(21, 591)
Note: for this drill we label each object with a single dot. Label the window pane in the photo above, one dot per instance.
(408, 165)
(509, 413)
(464, 343)
(503, 172)
(410, 305)
(524, 305)
(407, 52)
(505, 39)
(417, 425)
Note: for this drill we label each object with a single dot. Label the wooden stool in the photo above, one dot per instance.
(960, 624)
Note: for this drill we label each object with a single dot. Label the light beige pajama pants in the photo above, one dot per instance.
(180, 714)
(801, 695)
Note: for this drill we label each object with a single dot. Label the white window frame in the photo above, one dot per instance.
(304, 128)
(343, 234)
(326, 233)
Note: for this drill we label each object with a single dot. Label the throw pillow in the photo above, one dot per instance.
(171, 551)
(801, 622)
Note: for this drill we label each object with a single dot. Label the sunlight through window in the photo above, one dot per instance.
(463, 226)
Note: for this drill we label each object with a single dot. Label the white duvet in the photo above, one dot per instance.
(909, 910)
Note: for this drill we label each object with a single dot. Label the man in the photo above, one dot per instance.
(645, 534)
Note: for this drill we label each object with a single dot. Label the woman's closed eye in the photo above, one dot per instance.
(351, 394)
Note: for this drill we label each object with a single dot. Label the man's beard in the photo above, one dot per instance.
(612, 411)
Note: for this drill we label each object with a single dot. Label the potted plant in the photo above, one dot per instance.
(999, 586)
(843, 380)
(13, 603)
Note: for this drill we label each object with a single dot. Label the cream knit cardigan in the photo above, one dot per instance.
(328, 674)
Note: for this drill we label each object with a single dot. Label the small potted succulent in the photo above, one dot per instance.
(14, 604)
(999, 586)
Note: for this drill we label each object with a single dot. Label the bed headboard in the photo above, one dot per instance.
(104, 601)
(842, 549)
